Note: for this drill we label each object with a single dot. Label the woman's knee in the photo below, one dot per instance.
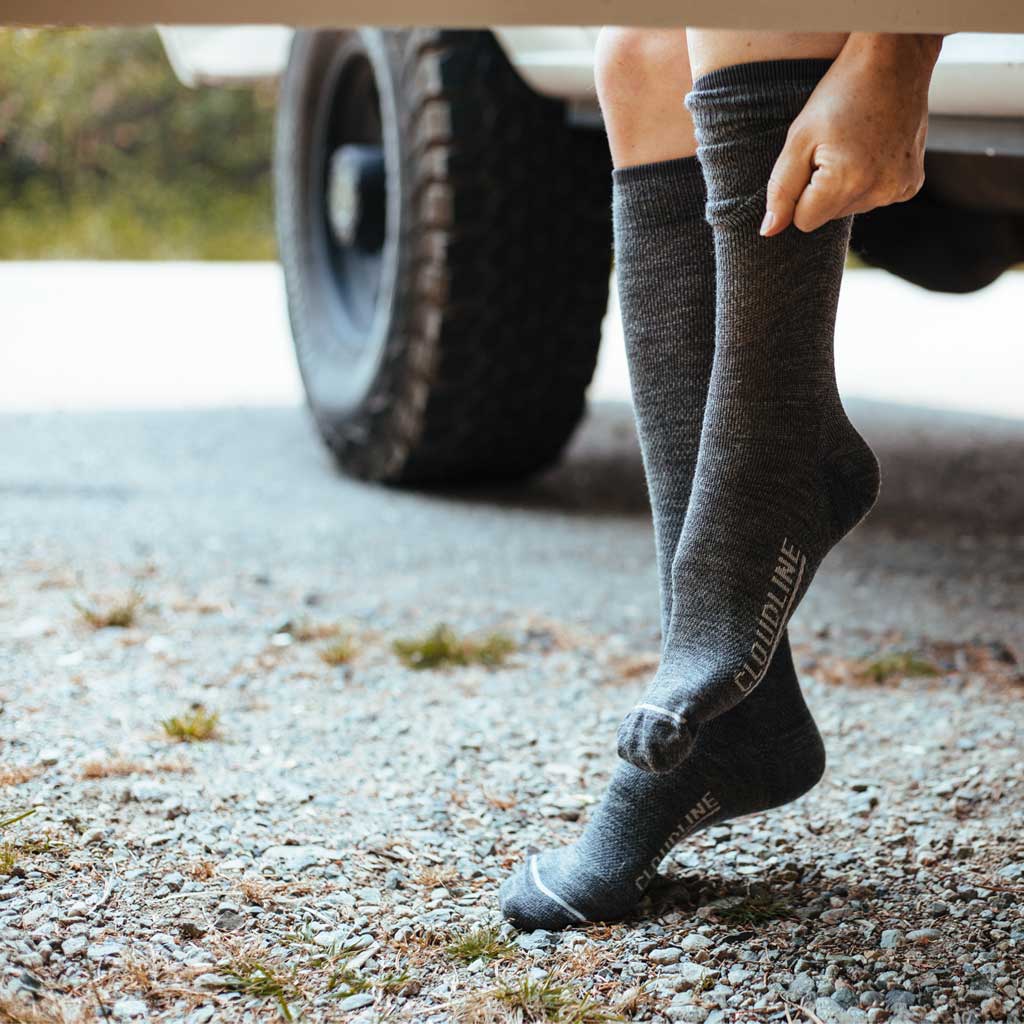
(632, 64)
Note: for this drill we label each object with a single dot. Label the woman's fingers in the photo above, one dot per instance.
(789, 178)
(823, 200)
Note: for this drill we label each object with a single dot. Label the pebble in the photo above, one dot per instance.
(539, 939)
(665, 955)
(75, 945)
(356, 1001)
(692, 973)
(688, 1012)
(922, 936)
(102, 950)
(297, 858)
(230, 920)
(891, 938)
(897, 997)
(801, 986)
(127, 1008)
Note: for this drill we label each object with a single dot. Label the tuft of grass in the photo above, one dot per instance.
(344, 982)
(9, 852)
(195, 726)
(119, 613)
(903, 664)
(755, 908)
(341, 652)
(481, 943)
(546, 1000)
(442, 647)
(256, 979)
(8, 859)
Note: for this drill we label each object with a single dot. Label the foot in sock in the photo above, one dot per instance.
(762, 754)
(781, 474)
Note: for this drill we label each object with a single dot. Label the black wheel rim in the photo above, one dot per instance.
(351, 212)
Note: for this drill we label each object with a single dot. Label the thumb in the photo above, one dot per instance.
(789, 178)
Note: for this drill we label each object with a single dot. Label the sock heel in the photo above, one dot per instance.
(802, 771)
(852, 481)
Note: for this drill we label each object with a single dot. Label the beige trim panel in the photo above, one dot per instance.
(791, 15)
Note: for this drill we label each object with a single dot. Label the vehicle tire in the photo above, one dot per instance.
(445, 236)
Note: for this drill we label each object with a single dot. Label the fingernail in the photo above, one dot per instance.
(766, 224)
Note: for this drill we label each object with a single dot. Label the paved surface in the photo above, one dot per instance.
(233, 523)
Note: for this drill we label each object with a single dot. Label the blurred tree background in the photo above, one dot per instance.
(104, 154)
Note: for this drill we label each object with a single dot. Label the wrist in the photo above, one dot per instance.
(903, 50)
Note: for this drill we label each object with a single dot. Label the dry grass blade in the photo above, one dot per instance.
(17, 1010)
(119, 613)
(17, 776)
(341, 652)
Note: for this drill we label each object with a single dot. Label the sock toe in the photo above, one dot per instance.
(529, 902)
(654, 741)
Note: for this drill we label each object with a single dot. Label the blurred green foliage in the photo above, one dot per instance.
(104, 154)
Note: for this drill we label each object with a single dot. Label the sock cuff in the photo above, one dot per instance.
(741, 115)
(773, 83)
(665, 192)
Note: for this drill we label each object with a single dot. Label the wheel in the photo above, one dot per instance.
(445, 236)
(958, 234)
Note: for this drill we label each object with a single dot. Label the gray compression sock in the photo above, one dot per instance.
(762, 754)
(781, 474)
(765, 752)
(665, 269)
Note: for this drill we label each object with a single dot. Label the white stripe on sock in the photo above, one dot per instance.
(677, 718)
(535, 874)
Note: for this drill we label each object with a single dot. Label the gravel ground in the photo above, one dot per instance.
(333, 850)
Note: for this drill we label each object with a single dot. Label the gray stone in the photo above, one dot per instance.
(127, 1007)
(845, 997)
(229, 920)
(356, 1002)
(692, 972)
(922, 936)
(297, 858)
(828, 1009)
(802, 986)
(209, 982)
(891, 938)
(695, 941)
(665, 955)
(539, 939)
(102, 950)
(689, 1012)
(75, 945)
(898, 998)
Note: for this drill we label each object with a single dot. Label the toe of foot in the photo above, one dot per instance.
(654, 742)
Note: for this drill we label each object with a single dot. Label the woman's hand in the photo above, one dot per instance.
(859, 142)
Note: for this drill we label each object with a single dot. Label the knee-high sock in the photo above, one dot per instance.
(781, 475)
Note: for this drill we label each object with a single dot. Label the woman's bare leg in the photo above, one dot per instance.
(642, 76)
(711, 49)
